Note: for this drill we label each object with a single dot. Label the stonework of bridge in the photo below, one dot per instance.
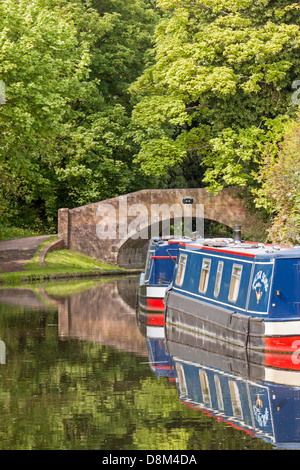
(117, 230)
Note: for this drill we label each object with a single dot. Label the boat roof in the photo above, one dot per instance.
(169, 240)
(246, 249)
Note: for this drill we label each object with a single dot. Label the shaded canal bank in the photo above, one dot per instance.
(31, 259)
(80, 371)
(15, 253)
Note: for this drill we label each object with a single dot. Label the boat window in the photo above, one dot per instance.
(235, 399)
(148, 264)
(235, 282)
(204, 275)
(218, 278)
(181, 269)
(219, 393)
(181, 379)
(205, 387)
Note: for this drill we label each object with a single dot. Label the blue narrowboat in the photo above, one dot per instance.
(158, 274)
(243, 293)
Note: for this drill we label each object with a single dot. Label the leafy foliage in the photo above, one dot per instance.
(97, 105)
(219, 85)
(280, 187)
(64, 126)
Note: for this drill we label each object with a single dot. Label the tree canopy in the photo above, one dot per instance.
(67, 66)
(279, 189)
(108, 97)
(218, 86)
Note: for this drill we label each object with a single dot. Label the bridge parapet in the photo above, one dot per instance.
(116, 230)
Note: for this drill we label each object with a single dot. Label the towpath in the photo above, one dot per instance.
(15, 253)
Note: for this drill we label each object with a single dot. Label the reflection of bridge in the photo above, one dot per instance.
(104, 313)
(101, 314)
(108, 230)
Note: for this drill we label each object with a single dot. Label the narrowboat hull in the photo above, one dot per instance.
(229, 327)
(213, 321)
(278, 352)
(151, 298)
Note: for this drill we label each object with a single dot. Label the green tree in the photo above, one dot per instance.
(65, 137)
(100, 145)
(280, 187)
(44, 65)
(219, 86)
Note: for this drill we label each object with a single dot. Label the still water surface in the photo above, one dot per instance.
(80, 370)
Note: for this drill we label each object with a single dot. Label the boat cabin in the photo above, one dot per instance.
(160, 262)
(158, 274)
(249, 278)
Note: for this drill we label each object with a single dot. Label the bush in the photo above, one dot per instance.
(280, 191)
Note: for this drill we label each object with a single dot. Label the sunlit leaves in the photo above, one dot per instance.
(280, 187)
(65, 135)
(230, 65)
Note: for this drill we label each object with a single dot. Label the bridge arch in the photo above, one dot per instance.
(117, 230)
(132, 251)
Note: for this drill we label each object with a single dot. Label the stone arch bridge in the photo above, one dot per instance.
(117, 230)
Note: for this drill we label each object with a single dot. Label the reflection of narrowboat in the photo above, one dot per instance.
(243, 293)
(159, 361)
(260, 400)
(158, 274)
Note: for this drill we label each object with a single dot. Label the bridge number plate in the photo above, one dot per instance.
(188, 200)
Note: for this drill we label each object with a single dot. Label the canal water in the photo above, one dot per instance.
(80, 368)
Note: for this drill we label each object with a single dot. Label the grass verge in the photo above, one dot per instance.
(60, 264)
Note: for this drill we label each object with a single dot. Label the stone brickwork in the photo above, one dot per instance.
(78, 227)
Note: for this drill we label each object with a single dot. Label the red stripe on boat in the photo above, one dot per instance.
(283, 343)
(155, 319)
(248, 255)
(155, 304)
(162, 367)
(282, 361)
(163, 257)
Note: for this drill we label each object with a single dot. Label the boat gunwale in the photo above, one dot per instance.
(237, 250)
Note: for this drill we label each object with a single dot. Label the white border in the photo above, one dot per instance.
(282, 328)
(155, 292)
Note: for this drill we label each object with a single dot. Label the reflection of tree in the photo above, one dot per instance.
(76, 394)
